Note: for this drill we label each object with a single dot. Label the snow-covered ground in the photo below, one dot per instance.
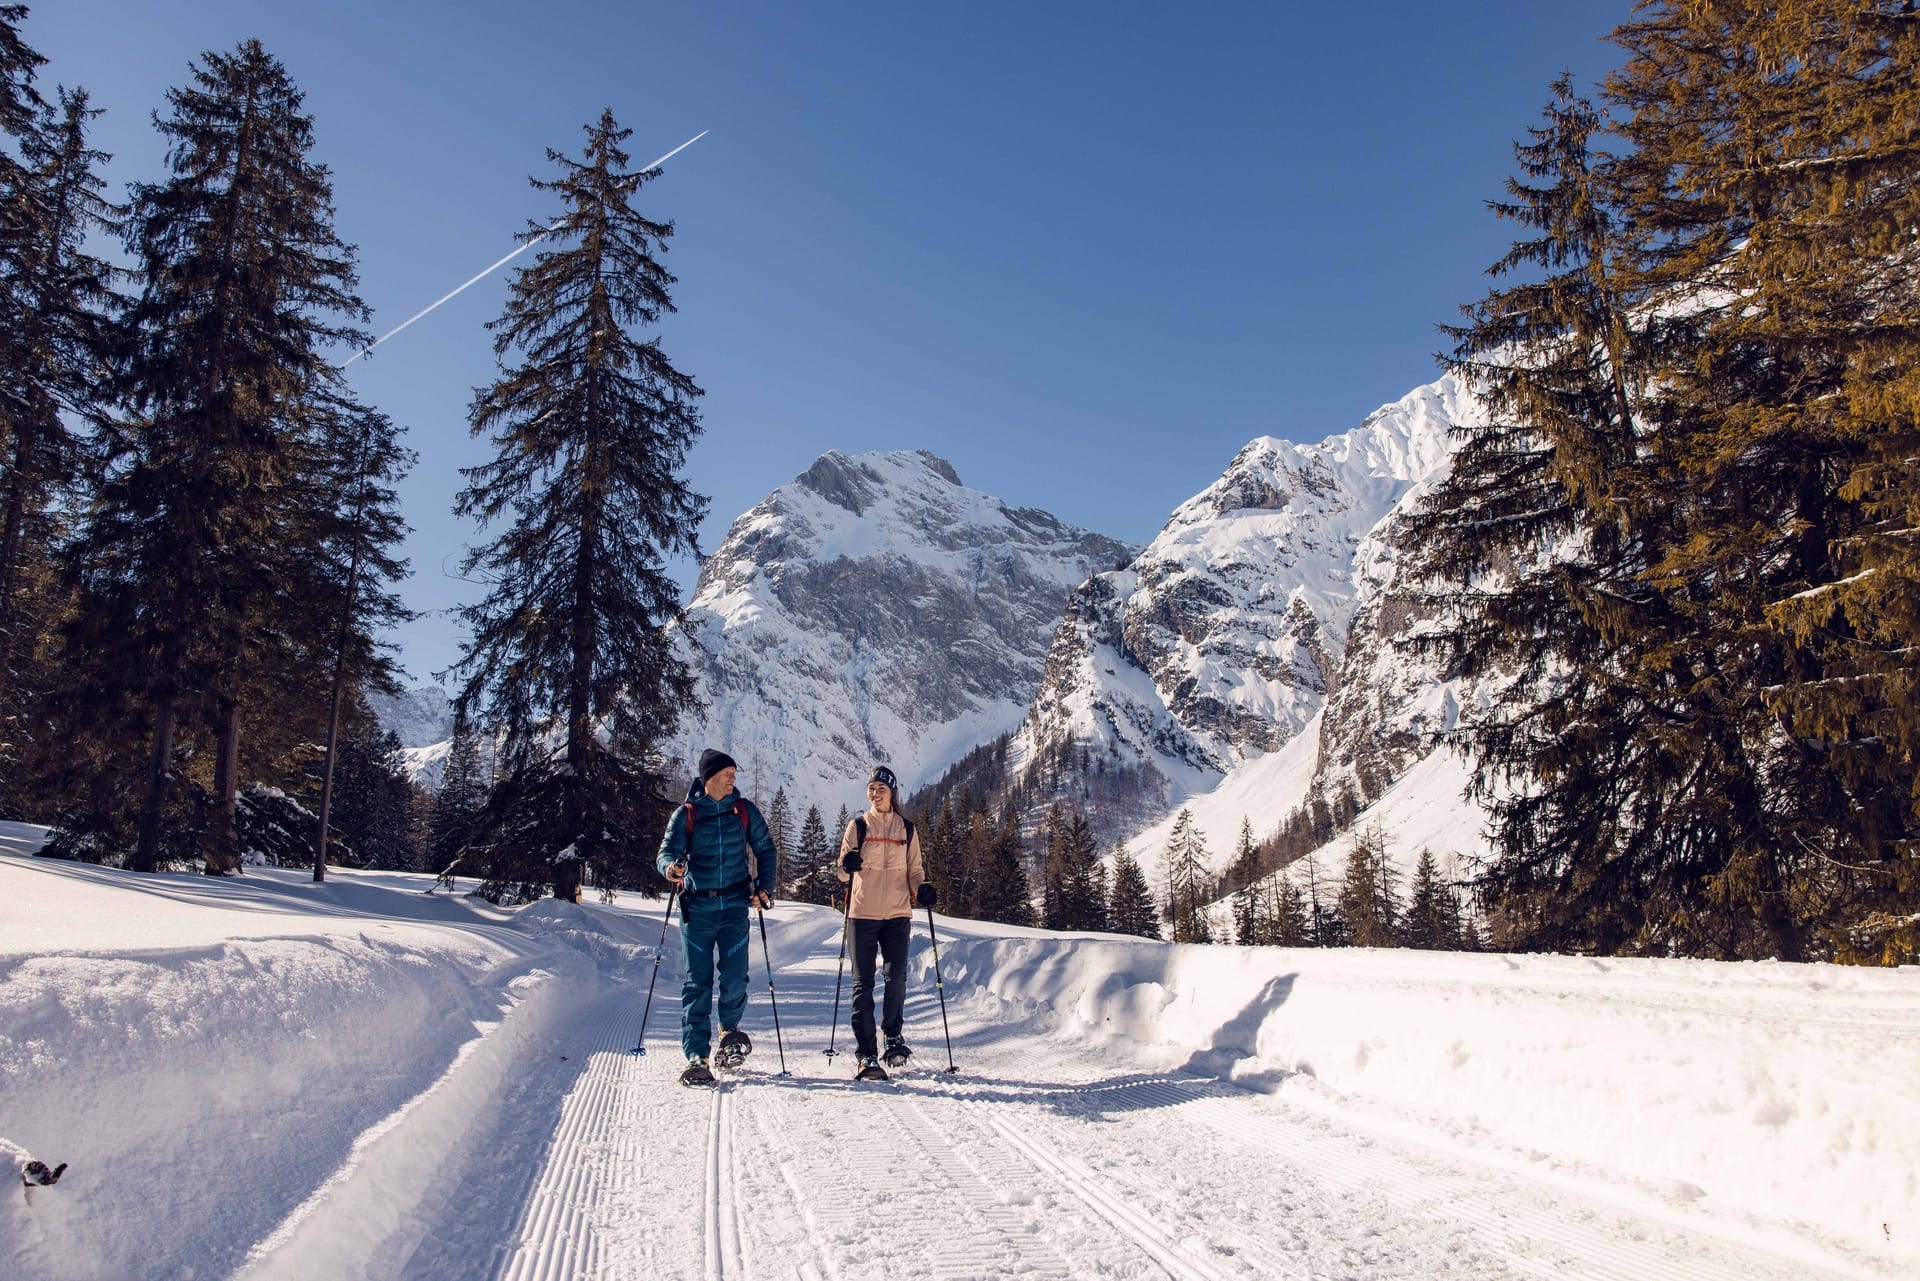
(265, 1078)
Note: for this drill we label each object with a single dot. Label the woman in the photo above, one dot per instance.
(880, 861)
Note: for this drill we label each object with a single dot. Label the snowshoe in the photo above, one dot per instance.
(735, 1045)
(870, 1069)
(697, 1073)
(897, 1053)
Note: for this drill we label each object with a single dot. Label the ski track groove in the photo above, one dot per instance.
(1541, 1229)
(1553, 1241)
(1133, 1224)
(556, 1240)
(913, 1157)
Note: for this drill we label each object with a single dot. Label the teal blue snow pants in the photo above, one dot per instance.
(709, 926)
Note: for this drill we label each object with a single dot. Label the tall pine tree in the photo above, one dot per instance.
(1188, 879)
(463, 790)
(57, 314)
(592, 428)
(244, 287)
(1248, 925)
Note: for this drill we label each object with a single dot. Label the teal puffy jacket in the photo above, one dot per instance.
(723, 851)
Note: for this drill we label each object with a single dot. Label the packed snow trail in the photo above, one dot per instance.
(269, 1080)
(1031, 1162)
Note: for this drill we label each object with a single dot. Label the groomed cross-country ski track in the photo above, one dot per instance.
(1037, 1158)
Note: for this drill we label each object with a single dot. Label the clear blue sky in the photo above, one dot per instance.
(1084, 251)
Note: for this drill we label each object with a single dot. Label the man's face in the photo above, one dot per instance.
(879, 795)
(721, 783)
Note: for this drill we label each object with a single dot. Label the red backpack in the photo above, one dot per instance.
(739, 811)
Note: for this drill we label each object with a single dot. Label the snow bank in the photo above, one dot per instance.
(211, 1056)
(1764, 1087)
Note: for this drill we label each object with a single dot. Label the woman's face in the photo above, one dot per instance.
(880, 796)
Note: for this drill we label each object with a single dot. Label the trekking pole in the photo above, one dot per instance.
(941, 988)
(640, 1045)
(771, 998)
(833, 1028)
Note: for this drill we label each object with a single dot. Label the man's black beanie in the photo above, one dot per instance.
(712, 762)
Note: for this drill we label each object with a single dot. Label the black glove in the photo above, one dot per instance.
(927, 895)
(851, 860)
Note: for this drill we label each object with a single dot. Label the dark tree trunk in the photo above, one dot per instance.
(223, 842)
(153, 810)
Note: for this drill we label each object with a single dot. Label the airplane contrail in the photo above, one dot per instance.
(368, 349)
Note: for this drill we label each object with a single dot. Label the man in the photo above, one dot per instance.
(718, 851)
(880, 861)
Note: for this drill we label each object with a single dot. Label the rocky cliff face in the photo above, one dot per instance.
(1230, 632)
(1389, 707)
(874, 609)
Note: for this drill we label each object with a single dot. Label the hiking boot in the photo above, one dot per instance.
(897, 1053)
(735, 1045)
(697, 1072)
(869, 1069)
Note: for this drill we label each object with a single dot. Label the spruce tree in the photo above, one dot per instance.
(1773, 146)
(1245, 873)
(57, 311)
(814, 879)
(1535, 528)
(971, 846)
(1055, 874)
(346, 554)
(1187, 879)
(19, 63)
(1004, 894)
(1130, 905)
(244, 288)
(57, 308)
(1291, 926)
(1085, 887)
(592, 428)
(1694, 495)
(780, 826)
(463, 790)
(1368, 901)
(1432, 918)
(937, 838)
(373, 799)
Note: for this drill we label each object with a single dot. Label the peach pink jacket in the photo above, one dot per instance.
(890, 870)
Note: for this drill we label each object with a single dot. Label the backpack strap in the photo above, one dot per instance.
(746, 835)
(739, 812)
(860, 829)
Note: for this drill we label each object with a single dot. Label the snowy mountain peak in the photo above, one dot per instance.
(875, 608)
(419, 717)
(856, 483)
(1221, 642)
